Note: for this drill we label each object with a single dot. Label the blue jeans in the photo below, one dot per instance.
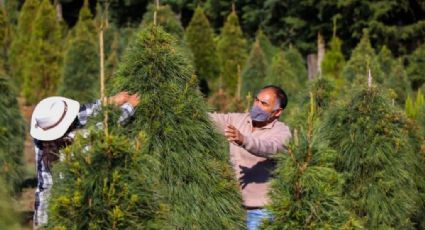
(255, 217)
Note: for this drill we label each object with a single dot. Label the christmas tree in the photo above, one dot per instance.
(200, 39)
(20, 42)
(298, 64)
(42, 67)
(86, 25)
(268, 48)
(334, 61)
(362, 58)
(166, 18)
(416, 67)
(231, 50)
(108, 185)
(307, 190)
(378, 163)
(255, 70)
(12, 135)
(281, 73)
(396, 77)
(173, 114)
(81, 62)
(167, 169)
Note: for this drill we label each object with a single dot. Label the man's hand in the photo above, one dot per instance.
(134, 100)
(119, 98)
(233, 135)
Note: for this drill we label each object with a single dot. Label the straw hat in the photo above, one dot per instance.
(52, 117)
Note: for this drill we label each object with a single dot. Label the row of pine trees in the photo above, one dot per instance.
(356, 159)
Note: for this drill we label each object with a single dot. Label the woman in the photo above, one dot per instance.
(53, 126)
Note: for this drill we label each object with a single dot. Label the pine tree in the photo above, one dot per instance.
(268, 48)
(165, 170)
(334, 61)
(106, 186)
(42, 67)
(86, 25)
(363, 58)
(416, 67)
(80, 69)
(323, 92)
(12, 135)
(255, 70)
(20, 44)
(307, 190)
(200, 39)
(8, 216)
(166, 18)
(298, 64)
(395, 75)
(379, 165)
(231, 50)
(194, 160)
(281, 73)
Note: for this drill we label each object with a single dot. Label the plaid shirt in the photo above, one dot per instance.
(44, 176)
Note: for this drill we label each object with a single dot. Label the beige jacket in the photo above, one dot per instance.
(251, 160)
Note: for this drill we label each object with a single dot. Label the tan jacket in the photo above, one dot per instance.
(251, 160)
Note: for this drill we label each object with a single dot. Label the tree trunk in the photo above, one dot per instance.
(59, 13)
(320, 53)
(312, 66)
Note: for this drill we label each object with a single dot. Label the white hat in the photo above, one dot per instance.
(52, 117)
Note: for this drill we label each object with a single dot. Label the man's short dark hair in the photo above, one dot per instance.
(280, 94)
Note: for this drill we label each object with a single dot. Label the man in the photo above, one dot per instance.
(254, 138)
(53, 126)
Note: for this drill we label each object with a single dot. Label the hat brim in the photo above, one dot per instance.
(59, 130)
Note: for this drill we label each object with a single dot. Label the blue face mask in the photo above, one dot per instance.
(257, 114)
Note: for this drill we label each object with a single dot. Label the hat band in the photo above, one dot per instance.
(59, 121)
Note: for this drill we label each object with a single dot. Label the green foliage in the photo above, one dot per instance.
(80, 69)
(362, 59)
(268, 48)
(194, 160)
(255, 70)
(334, 61)
(378, 163)
(11, 7)
(42, 67)
(414, 108)
(231, 50)
(307, 191)
(105, 186)
(410, 108)
(200, 39)
(281, 73)
(12, 135)
(86, 25)
(323, 92)
(298, 64)
(416, 67)
(8, 216)
(166, 18)
(21, 41)
(5, 38)
(395, 76)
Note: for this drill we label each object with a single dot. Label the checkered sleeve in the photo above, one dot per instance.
(127, 112)
(87, 110)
